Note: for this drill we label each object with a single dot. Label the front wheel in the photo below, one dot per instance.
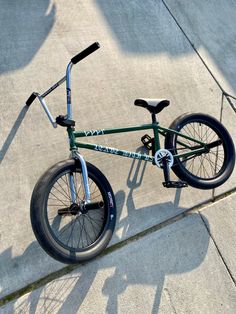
(67, 230)
(205, 170)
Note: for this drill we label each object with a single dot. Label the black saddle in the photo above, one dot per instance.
(152, 105)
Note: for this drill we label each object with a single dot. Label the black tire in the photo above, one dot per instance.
(72, 237)
(208, 170)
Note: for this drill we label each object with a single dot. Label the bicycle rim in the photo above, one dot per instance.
(75, 232)
(205, 166)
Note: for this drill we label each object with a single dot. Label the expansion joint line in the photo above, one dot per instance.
(68, 269)
(224, 93)
(218, 250)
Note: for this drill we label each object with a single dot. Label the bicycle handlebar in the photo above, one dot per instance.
(83, 54)
(31, 99)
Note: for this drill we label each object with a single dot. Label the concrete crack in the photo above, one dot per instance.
(218, 250)
(224, 93)
(168, 296)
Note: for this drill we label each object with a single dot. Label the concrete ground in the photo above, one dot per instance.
(187, 266)
(151, 49)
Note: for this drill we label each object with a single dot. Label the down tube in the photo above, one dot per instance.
(115, 151)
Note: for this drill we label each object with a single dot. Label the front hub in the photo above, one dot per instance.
(72, 210)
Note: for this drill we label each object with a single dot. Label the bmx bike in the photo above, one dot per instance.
(73, 208)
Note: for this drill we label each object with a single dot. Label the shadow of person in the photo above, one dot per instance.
(25, 25)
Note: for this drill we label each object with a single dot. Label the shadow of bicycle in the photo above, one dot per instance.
(140, 266)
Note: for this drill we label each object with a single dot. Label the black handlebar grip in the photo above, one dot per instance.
(31, 99)
(83, 54)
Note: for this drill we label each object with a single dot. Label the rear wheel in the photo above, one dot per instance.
(71, 231)
(206, 170)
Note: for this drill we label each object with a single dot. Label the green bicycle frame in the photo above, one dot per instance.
(157, 129)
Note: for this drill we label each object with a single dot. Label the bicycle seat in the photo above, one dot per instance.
(152, 105)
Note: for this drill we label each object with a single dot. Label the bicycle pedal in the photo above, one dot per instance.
(175, 184)
(147, 141)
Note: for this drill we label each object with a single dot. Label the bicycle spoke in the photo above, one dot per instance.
(71, 233)
(82, 229)
(76, 188)
(191, 164)
(206, 165)
(68, 195)
(68, 187)
(87, 234)
(61, 193)
(211, 163)
(67, 184)
(59, 199)
(81, 233)
(65, 228)
(88, 218)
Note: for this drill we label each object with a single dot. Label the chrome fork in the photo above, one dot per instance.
(84, 170)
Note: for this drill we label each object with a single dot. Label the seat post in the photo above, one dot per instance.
(154, 118)
(152, 143)
(155, 139)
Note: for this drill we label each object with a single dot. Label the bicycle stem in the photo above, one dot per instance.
(41, 97)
